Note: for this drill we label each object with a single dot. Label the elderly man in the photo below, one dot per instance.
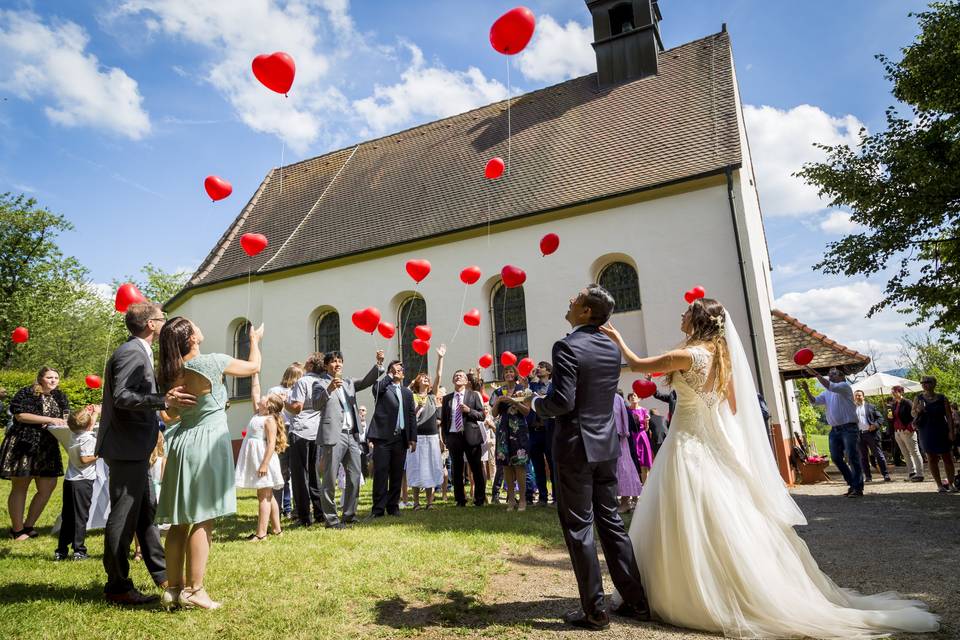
(869, 421)
(837, 397)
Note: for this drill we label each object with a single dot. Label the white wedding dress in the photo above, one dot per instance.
(713, 530)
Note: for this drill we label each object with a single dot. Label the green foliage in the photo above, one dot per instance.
(927, 357)
(903, 184)
(75, 388)
(811, 417)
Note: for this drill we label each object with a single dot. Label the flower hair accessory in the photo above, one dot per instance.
(719, 321)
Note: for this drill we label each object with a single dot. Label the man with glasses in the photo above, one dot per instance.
(392, 431)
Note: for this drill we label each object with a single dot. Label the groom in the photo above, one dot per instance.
(586, 371)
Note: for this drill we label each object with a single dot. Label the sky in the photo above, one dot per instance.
(112, 112)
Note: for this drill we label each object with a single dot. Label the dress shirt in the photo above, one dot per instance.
(347, 413)
(147, 349)
(838, 399)
(400, 426)
(457, 425)
(862, 417)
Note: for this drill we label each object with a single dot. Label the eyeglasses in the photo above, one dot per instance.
(160, 319)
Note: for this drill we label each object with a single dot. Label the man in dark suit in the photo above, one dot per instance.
(870, 422)
(338, 436)
(392, 431)
(129, 424)
(658, 431)
(461, 427)
(586, 371)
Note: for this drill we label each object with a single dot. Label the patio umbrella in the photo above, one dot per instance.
(881, 383)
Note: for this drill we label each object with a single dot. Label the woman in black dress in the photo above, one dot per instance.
(934, 422)
(30, 452)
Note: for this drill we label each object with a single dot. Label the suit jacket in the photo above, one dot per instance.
(671, 401)
(874, 416)
(386, 410)
(472, 421)
(330, 408)
(586, 372)
(129, 423)
(658, 429)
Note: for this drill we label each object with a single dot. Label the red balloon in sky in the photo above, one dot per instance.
(803, 357)
(367, 320)
(423, 331)
(20, 335)
(485, 361)
(525, 367)
(494, 168)
(470, 275)
(127, 294)
(275, 71)
(472, 317)
(512, 31)
(507, 358)
(421, 346)
(549, 243)
(217, 188)
(387, 330)
(644, 388)
(253, 243)
(418, 269)
(93, 381)
(512, 276)
(689, 296)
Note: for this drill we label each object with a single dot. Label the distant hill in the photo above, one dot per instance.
(900, 373)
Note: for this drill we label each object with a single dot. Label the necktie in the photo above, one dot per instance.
(400, 424)
(457, 413)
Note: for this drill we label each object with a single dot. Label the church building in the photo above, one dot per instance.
(642, 169)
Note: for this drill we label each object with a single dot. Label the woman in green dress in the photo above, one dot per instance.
(198, 482)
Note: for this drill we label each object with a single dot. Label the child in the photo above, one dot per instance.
(78, 483)
(257, 466)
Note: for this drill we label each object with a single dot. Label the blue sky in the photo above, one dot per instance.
(113, 112)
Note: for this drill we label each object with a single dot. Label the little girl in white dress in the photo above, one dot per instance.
(258, 466)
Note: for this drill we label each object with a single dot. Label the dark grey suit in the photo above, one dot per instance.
(129, 425)
(338, 445)
(586, 372)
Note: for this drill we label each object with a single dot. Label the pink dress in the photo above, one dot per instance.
(628, 480)
(641, 440)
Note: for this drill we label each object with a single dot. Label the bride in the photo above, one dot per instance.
(713, 530)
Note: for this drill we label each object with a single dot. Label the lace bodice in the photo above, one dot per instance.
(698, 374)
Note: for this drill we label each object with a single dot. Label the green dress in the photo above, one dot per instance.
(198, 482)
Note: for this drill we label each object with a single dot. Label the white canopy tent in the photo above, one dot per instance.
(882, 383)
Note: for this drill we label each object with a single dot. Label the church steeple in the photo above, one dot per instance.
(626, 37)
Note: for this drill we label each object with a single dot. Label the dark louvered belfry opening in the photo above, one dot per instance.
(626, 37)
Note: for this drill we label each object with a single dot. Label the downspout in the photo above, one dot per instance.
(728, 171)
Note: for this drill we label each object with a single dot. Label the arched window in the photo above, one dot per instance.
(620, 279)
(328, 332)
(241, 351)
(509, 324)
(621, 18)
(413, 312)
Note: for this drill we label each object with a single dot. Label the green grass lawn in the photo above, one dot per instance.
(308, 583)
(820, 441)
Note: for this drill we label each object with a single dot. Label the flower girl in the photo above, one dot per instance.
(257, 465)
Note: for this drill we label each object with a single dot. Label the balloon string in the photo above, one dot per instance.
(248, 296)
(509, 129)
(106, 356)
(460, 322)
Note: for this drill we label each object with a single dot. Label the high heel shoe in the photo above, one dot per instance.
(171, 598)
(188, 599)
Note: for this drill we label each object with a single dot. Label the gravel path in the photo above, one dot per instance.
(901, 536)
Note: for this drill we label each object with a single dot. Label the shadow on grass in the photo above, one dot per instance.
(19, 592)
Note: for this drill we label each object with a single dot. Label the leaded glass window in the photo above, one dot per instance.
(328, 332)
(241, 351)
(620, 279)
(509, 324)
(413, 312)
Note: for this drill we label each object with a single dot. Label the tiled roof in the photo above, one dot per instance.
(570, 143)
(791, 335)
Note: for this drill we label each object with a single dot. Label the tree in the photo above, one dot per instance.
(925, 356)
(902, 185)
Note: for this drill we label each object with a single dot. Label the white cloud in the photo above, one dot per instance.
(49, 63)
(237, 32)
(426, 92)
(558, 52)
(781, 142)
(839, 223)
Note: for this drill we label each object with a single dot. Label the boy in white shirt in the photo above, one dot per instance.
(78, 483)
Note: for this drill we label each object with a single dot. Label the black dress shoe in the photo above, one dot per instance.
(637, 612)
(596, 622)
(131, 598)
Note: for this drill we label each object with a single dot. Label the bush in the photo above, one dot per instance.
(76, 388)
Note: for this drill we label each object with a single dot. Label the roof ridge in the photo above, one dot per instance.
(816, 335)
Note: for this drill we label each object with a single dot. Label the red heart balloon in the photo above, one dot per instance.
(485, 361)
(367, 320)
(387, 330)
(472, 317)
(494, 168)
(418, 269)
(644, 388)
(525, 367)
(93, 382)
(275, 71)
(485, 397)
(507, 358)
(803, 357)
(549, 243)
(512, 31)
(217, 188)
(243, 434)
(698, 292)
(689, 297)
(470, 275)
(656, 374)
(512, 276)
(253, 243)
(423, 331)
(421, 346)
(20, 335)
(127, 294)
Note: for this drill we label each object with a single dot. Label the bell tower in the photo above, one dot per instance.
(626, 36)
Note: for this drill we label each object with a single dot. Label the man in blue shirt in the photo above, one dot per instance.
(837, 397)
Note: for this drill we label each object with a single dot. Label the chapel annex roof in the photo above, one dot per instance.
(791, 335)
